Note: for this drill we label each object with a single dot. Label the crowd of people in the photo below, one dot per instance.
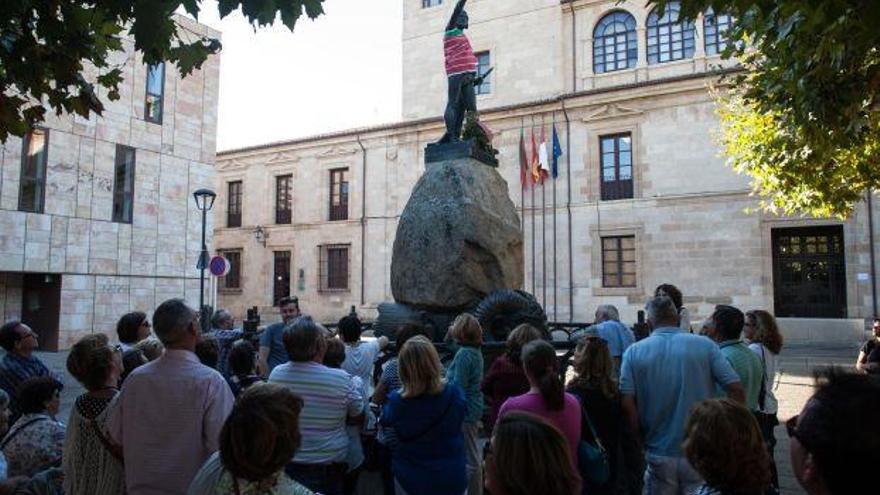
(170, 409)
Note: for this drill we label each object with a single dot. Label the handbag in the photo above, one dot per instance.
(767, 422)
(592, 461)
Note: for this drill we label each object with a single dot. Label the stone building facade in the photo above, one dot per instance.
(96, 215)
(642, 196)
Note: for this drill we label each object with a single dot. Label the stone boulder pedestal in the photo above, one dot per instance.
(458, 238)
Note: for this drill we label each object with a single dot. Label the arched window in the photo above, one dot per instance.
(615, 46)
(715, 31)
(669, 39)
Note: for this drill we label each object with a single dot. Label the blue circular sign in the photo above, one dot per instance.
(219, 266)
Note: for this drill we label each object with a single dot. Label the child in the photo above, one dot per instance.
(467, 370)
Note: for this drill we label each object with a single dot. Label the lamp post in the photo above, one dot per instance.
(204, 201)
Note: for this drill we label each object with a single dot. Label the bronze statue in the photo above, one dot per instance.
(461, 69)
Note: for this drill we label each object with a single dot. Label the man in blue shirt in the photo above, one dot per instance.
(19, 363)
(611, 330)
(661, 378)
(272, 351)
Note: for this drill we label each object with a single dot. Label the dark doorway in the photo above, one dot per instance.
(809, 279)
(41, 305)
(282, 276)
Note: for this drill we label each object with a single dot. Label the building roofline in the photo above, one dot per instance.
(489, 111)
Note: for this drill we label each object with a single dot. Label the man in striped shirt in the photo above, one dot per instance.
(461, 69)
(329, 398)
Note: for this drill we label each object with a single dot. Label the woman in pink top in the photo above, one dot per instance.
(546, 396)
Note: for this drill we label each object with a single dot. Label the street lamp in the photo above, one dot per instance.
(204, 201)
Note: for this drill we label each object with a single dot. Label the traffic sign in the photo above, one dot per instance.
(219, 266)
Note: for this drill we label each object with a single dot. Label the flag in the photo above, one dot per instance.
(557, 152)
(523, 160)
(536, 168)
(543, 160)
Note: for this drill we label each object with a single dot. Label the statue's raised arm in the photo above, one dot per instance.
(453, 21)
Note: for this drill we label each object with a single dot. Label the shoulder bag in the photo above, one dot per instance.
(592, 460)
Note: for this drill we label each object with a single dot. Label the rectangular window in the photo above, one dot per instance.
(233, 207)
(484, 62)
(333, 267)
(155, 93)
(339, 194)
(616, 166)
(619, 261)
(282, 276)
(123, 184)
(283, 198)
(431, 3)
(232, 280)
(32, 186)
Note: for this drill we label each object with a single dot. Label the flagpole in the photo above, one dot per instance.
(522, 183)
(553, 173)
(532, 208)
(543, 222)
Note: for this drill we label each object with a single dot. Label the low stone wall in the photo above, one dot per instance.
(826, 331)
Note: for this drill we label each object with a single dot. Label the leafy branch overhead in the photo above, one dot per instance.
(48, 47)
(803, 119)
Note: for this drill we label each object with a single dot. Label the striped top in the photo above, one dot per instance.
(329, 396)
(459, 54)
(14, 370)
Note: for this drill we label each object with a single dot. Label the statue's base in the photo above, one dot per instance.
(441, 152)
(393, 315)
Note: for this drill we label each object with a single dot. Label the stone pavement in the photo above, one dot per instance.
(793, 388)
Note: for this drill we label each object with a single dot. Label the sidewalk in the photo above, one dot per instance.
(793, 387)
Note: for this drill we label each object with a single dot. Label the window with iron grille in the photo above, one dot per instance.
(616, 170)
(484, 61)
(615, 43)
(155, 93)
(339, 194)
(619, 261)
(281, 284)
(32, 183)
(123, 184)
(716, 31)
(283, 199)
(233, 206)
(232, 280)
(333, 267)
(669, 38)
(431, 3)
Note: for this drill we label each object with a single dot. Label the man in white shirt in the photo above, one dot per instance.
(170, 411)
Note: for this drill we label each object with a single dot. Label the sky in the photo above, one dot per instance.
(338, 72)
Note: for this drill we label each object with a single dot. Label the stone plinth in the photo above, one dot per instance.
(458, 238)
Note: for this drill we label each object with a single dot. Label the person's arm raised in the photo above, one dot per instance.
(455, 13)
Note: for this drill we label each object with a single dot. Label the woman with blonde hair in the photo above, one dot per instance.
(596, 390)
(427, 415)
(724, 444)
(467, 371)
(527, 456)
(506, 378)
(765, 340)
(92, 463)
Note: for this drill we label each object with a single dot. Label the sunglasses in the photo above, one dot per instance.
(146, 323)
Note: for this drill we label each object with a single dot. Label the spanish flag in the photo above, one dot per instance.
(536, 163)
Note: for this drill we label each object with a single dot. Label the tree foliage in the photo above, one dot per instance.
(45, 45)
(803, 118)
